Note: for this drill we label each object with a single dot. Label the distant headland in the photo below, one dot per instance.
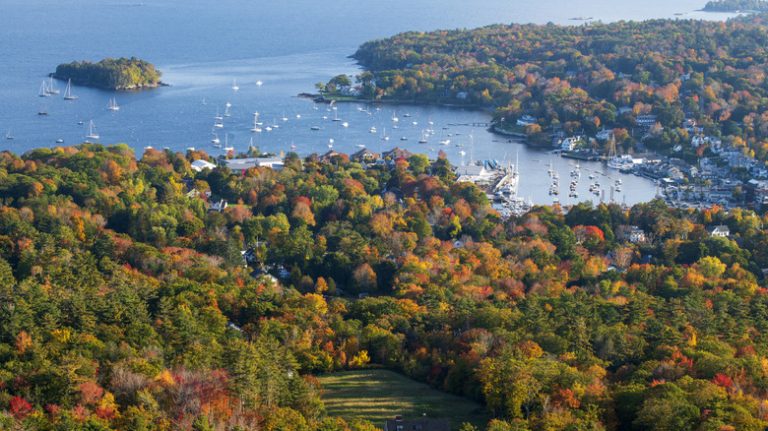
(736, 6)
(111, 74)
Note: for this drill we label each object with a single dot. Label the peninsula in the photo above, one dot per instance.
(111, 74)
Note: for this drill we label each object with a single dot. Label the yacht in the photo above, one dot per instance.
(314, 128)
(60, 141)
(68, 92)
(92, 133)
(235, 87)
(43, 92)
(8, 136)
(345, 124)
(52, 90)
(113, 106)
(215, 140)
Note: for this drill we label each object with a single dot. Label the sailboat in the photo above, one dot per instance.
(92, 133)
(256, 124)
(113, 106)
(235, 87)
(218, 116)
(215, 141)
(227, 148)
(226, 109)
(9, 136)
(336, 115)
(68, 92)
(43, 90)
(52, 90)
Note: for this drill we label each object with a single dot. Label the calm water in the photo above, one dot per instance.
(202, 46)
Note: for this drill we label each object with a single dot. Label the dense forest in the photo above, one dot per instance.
(126, 304)
(736, 5)
(111, 74)
(581, 79)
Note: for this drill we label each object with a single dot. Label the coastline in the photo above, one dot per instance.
(100, 87)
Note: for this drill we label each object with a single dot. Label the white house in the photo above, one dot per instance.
(721, 231)
(526, 120)
(275, 163)
(200, 164)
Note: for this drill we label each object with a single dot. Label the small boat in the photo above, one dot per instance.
(42, 112)
(218, 125)
(113, 106)
(92, 133)
(259, 83)
(445, 142)
(229, 149)
(52, 90)
(284, 118)
(43, 92)
(226, 110)
(268, 129)
(68, 92)
(218, 116)
(8, 136)
(403, 138)
(298, 116)
(80, 123)
(215, 140)
(345, 124)
(59, 141)
(372, 130)
(360, 145)
(235, 87)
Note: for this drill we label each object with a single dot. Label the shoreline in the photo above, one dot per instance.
(99, 87)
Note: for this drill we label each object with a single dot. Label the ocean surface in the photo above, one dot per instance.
(204, 46)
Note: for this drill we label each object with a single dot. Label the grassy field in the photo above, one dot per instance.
(377, 395)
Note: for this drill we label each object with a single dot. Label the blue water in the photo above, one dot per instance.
(202, 46)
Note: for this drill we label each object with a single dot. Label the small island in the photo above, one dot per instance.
(736, 6)
(111, 74)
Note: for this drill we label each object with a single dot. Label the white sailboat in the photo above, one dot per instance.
(92, 133)
(215, 140)
(8, 136)
(52, 90)
(68, 92)
(226, 109)
(113, 106)
(256, 124)
(43, 92)
(235, 87)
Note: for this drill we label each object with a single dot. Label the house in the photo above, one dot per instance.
(604, 135)
(364, 156)
(420, 424)
(275, 163)
(633, 234)
(218, 206)
(526, 120)
(396, 153)
(200, 164)
(645, 121)
(721, 231)
(570, 143)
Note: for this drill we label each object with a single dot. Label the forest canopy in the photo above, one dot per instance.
(111, 74)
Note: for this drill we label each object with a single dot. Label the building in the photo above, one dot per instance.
(570, 143)
(420, 424)
(365, 156)
(646, 121)
(473, 173)
(396, 153)
(526, 120)
(721, 231)
(633, 234)
(200, 164)
(218, 206)
(275, 163)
